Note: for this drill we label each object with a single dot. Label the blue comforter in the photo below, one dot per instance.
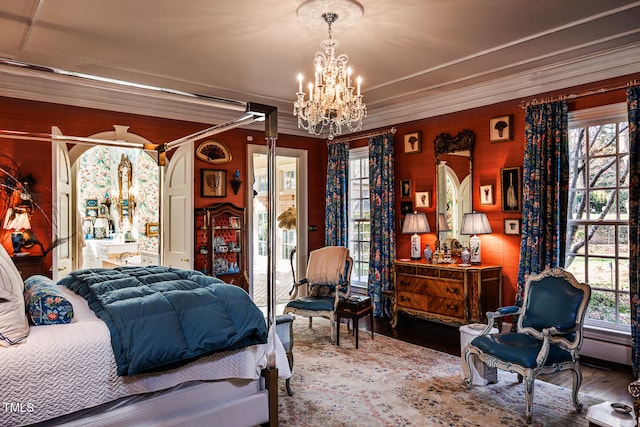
(162, 317)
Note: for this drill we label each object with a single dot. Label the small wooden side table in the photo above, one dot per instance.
(602, 415)
(354, 307)
(29, 265)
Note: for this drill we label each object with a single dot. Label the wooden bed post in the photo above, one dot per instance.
(271, 383)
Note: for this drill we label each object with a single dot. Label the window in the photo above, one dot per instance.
(359, 219)
(598, 223)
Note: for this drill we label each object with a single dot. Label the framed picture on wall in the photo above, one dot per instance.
(213, 183)
(501, 128)
(406, 207)
(512, 226)
(423, 199)
(486, 194)
(152, 229)
(413, 142)
(405, 188)
(511, 194)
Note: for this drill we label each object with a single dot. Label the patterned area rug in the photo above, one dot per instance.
(387, 382)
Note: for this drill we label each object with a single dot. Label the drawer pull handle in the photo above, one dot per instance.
(453, 291)
(452, 307)
(184, 259)
(62, 269)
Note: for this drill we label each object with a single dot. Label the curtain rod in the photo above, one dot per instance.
(366, 135)
(534, 101)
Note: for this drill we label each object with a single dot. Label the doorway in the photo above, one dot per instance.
(291, 218)
(115, 228)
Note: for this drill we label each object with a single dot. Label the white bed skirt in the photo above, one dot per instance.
(224, 403)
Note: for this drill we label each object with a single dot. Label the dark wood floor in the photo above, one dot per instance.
(604, 380)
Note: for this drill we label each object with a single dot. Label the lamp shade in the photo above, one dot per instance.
(443, 224)
(16, 219)
(415, 223)
(475, 223)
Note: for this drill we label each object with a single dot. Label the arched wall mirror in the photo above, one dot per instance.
(125, 191)
(454, 186)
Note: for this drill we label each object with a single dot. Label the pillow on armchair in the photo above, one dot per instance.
(14, 327)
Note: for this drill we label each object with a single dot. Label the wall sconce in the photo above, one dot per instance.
(235, 182)
(473, 224)
(415, 223)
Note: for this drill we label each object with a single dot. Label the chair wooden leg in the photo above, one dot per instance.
(577, 382)
(310, 322)
(528, 391)
(466, 367)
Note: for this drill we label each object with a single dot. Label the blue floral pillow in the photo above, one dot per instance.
(45, 303)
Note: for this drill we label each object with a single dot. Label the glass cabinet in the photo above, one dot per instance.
(220, 243)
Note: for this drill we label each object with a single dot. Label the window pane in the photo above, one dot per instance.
(576, 239)
(603, 139)
(623, 241)
(624, 205)
(603, 240)
(577, 267)
(602, 306)
(624, 309)
(602, 172)
(577, 204)
(602, 273)
(623, 275)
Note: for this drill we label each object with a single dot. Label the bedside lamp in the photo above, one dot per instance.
(415, 223)
(473, 224)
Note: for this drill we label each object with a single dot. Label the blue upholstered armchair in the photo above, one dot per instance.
(328, 279)
(548, 335)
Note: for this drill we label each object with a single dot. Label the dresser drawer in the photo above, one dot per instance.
(447, 307)
(405, 269)
(414, 301)
(411, 283)
(446, 289)
(427, 271)
(452, 274)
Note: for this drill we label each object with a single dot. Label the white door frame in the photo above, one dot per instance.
(302, 201)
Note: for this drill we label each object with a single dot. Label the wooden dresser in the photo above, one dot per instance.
(445, 293)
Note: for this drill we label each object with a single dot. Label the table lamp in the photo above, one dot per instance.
(415, 223)
(18, 220)
(473, 224)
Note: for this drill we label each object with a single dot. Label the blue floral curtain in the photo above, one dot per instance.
(336, 222)
(633, 95)
(545, 190)
(383, 234)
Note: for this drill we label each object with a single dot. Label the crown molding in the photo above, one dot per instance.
(47, 87)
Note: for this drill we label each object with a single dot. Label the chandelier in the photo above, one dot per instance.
(333, 100)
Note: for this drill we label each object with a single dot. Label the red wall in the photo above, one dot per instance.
(236, 141)
(489, 158)
(35, 157)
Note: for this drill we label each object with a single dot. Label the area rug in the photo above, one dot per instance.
(387, 382)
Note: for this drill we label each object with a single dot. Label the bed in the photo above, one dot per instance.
(67, 374)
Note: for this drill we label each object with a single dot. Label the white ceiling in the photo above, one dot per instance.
(418, 58)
